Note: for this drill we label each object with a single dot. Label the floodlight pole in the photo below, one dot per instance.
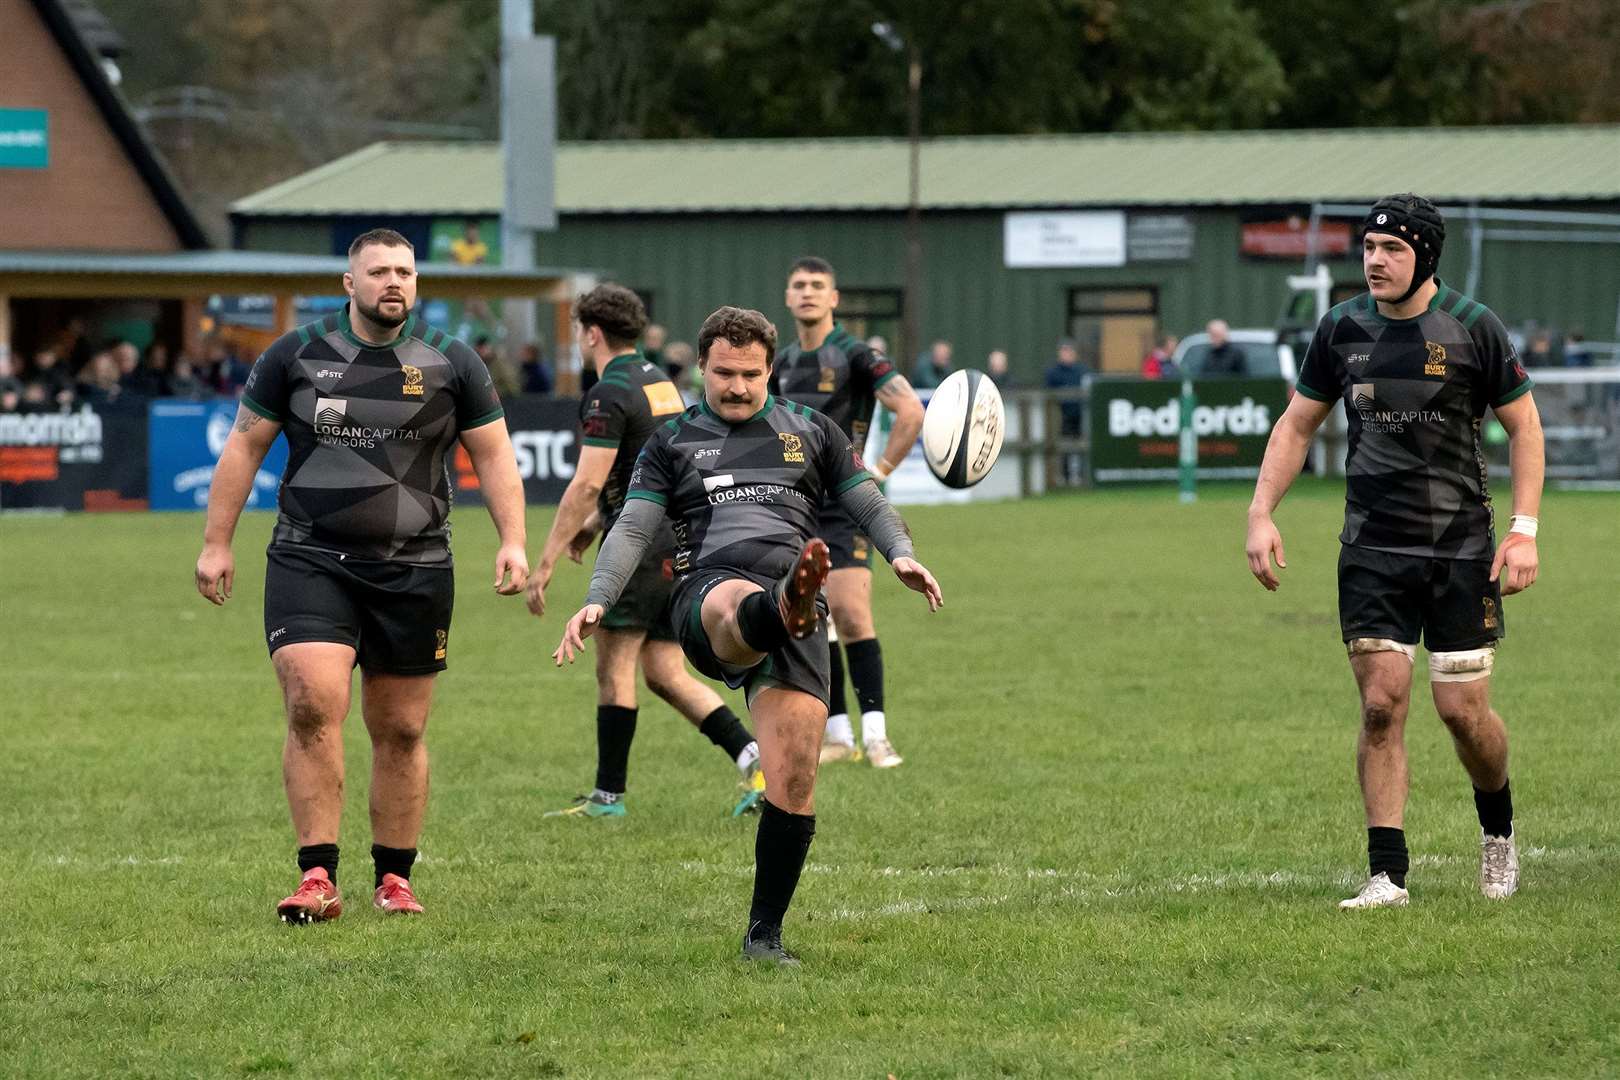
(910, 331)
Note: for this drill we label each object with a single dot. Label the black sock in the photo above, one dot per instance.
(866, 672)
(780, 848)
(392, 860)
(836, 705)
(761, 623)
(615, 729)
(1495, 811)
(1386, 853)
(323, 855)
(722, 728)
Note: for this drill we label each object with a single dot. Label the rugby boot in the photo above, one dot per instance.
(1378, 892)
(832, 750)
(764, 942)
(315, 900)
(590, 806)
(394, 897)
(1498, 866)
(882, 755)
(796, 595)
(753, 790)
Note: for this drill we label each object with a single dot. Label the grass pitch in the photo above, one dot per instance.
(1127, 811)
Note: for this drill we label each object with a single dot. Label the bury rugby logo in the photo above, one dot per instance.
(1436, 364)
(413, 380)
(334, 411)
(792, 447)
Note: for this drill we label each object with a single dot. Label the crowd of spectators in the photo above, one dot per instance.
(70, 372)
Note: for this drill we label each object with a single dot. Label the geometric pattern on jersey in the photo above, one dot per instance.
(839, 379)
(745, 496)
(367, 431)
(629, 402)
(1415, 393)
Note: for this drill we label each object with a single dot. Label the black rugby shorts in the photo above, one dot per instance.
(1452, 603)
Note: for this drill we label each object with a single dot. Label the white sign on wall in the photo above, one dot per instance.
(1090, 238)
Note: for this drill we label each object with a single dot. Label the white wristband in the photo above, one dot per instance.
(879, 471)
(1525, 524)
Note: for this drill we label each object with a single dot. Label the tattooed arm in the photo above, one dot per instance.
(239, 462)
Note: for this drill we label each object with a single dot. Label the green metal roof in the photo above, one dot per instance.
(1519, 164)
(254, 263)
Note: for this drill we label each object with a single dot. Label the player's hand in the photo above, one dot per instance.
(1264, 544)
(581, 543)
(1517, 555)
(216, 573)
(916, 577)
(536, 592)
(580, 627)
(511, 569)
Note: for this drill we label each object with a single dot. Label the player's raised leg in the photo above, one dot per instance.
(1461, 684)
(315, 679)
(396, 713)
(664, 666)
(1383, 671)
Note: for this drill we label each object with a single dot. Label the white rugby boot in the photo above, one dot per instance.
(1498, 866)
(1378, 892)
(881, 753)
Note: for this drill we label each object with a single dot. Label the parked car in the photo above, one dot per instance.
(1264, 357)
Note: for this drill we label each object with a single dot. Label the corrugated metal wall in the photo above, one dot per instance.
(691, 265)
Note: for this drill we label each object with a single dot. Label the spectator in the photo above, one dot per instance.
(500, 371)
(1224, 357)
(680, 360)
(537, 378)
(932, 366)
(224, 368)
(878, 344)
(1575, 351)
(183, 381)
(1068, 373)
(134, 379)
(999, 370)
(1157, 364)
(99, 381)
(11, 387)
(652, 346)
(158, 369)
(469, 248)
(1539, 352)
(55, 386)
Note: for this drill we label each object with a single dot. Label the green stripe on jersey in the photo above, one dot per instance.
(1313, 394)
(606, 444)
(260, 409)
(488, 418)
(303, 335)
(852, 481)
(1473, 316)
(893, 373)
(1514, 394)
(650, 496)
(1462, 302)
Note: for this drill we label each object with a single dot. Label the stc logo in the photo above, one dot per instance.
(542, 455)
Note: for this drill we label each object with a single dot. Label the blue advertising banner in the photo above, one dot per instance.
(184, 443)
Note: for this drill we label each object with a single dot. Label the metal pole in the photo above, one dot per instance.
(1189, 443)
(910, 331)
(517, 238)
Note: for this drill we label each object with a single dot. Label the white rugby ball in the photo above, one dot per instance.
(963, 428)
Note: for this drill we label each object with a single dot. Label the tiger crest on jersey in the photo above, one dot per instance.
(792, 447)
(413, 380)
(1436, 364)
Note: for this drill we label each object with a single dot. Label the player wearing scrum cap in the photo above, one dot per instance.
(1416, 364)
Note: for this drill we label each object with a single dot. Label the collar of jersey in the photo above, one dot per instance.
(703, 402)
(628, 358)
(347, 330)
(836, 326)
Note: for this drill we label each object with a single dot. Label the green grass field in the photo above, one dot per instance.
(1127, 811)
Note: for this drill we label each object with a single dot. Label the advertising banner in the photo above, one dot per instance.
(545, 438)
(1136, 427)
(92, 459)
(186, 440)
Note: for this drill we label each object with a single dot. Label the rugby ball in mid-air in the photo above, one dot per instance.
(963, 428)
